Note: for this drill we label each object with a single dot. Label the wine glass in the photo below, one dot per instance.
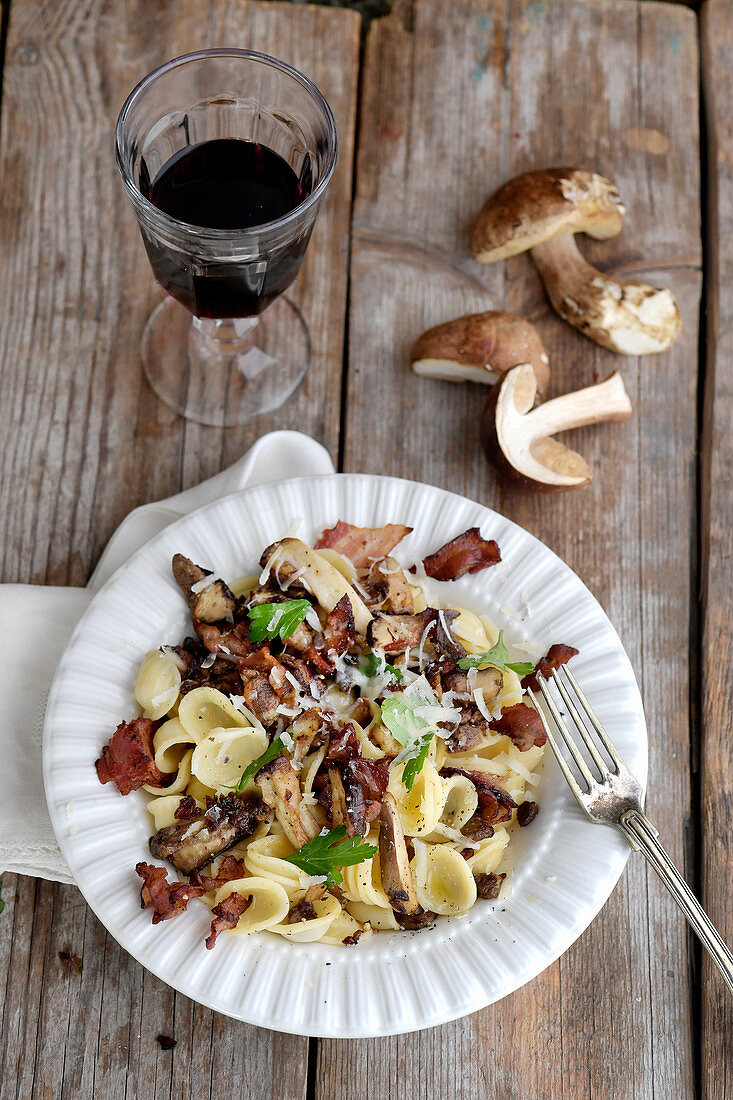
(226, 155)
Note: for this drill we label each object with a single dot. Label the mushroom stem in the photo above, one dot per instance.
(628, 317)
(519, 441)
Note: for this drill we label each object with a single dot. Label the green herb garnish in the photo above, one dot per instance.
(498, 656)
(325, 854)
(276, 620)
(272, 751)
(374, 665)
(410, 730)
(414, 764)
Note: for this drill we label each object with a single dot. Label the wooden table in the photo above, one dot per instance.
(456, 97)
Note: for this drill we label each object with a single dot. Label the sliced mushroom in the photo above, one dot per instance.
(290, 559)
(487, 680)
(304, 730)
(396, 633)
(394, 864)
(212, 603)
(519, 441)
(388, 589)
(480, 347)
(541, 211)
(339, 815)
(281, 791)
(193, 844)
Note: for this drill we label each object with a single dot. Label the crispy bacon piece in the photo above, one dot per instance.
(264, 684)
(230, 868)
(226, 916)
(526, 812)
(495, 804)
(192, 844)
(128, 759)
(488, 885)
(353, 939)
(167, 899)
(339, 632)
(188, 809)
(466, 553)
(558, 654)
(396, 633)
(190, 657)
(413, 922)
(523, 724)
(343, 745)
(234, 641)
(362, 545)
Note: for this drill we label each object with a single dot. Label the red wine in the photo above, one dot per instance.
(226, 184)
(231, 184)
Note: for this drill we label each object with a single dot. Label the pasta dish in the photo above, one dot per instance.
(336, 750)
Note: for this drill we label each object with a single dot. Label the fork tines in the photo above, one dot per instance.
(585, 722)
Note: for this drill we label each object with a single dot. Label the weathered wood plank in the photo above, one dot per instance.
(85, 440)
(457, 98)
(716, 651)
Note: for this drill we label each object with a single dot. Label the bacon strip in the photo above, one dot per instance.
(466, 553)
(167, 899)
(556, 655)
(339, 632)
(230, 868)
(226, 916)
(523, 724)
(128, 758)
(362, 545)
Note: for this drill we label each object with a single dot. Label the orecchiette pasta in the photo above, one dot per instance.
(158, 684)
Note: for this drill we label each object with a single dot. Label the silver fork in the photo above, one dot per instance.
(614, 797)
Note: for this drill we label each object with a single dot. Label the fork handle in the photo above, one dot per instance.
(643, 835)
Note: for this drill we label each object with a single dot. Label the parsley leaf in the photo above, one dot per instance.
(412, 731)
(325, 854)
(498, 656)
(413, 767)
(276, 620)
(374, 664)
(272, 751)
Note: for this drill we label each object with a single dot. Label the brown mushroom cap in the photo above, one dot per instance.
(537, 206)
(480, 347)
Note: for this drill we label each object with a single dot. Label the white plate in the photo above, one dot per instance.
(565, 866)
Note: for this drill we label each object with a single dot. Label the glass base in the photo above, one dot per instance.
(225, 372)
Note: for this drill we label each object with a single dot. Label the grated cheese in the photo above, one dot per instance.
(199, 586)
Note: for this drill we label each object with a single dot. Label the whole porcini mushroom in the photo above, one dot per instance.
(541, 212)
(517, 439)
(480, 347)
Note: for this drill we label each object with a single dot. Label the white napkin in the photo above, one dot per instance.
(36, 622)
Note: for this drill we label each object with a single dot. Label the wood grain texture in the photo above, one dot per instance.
(85, 440)
(457, 98)
(716, 748)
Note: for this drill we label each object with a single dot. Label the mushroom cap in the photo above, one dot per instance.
(536, 206)
(481, 347)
